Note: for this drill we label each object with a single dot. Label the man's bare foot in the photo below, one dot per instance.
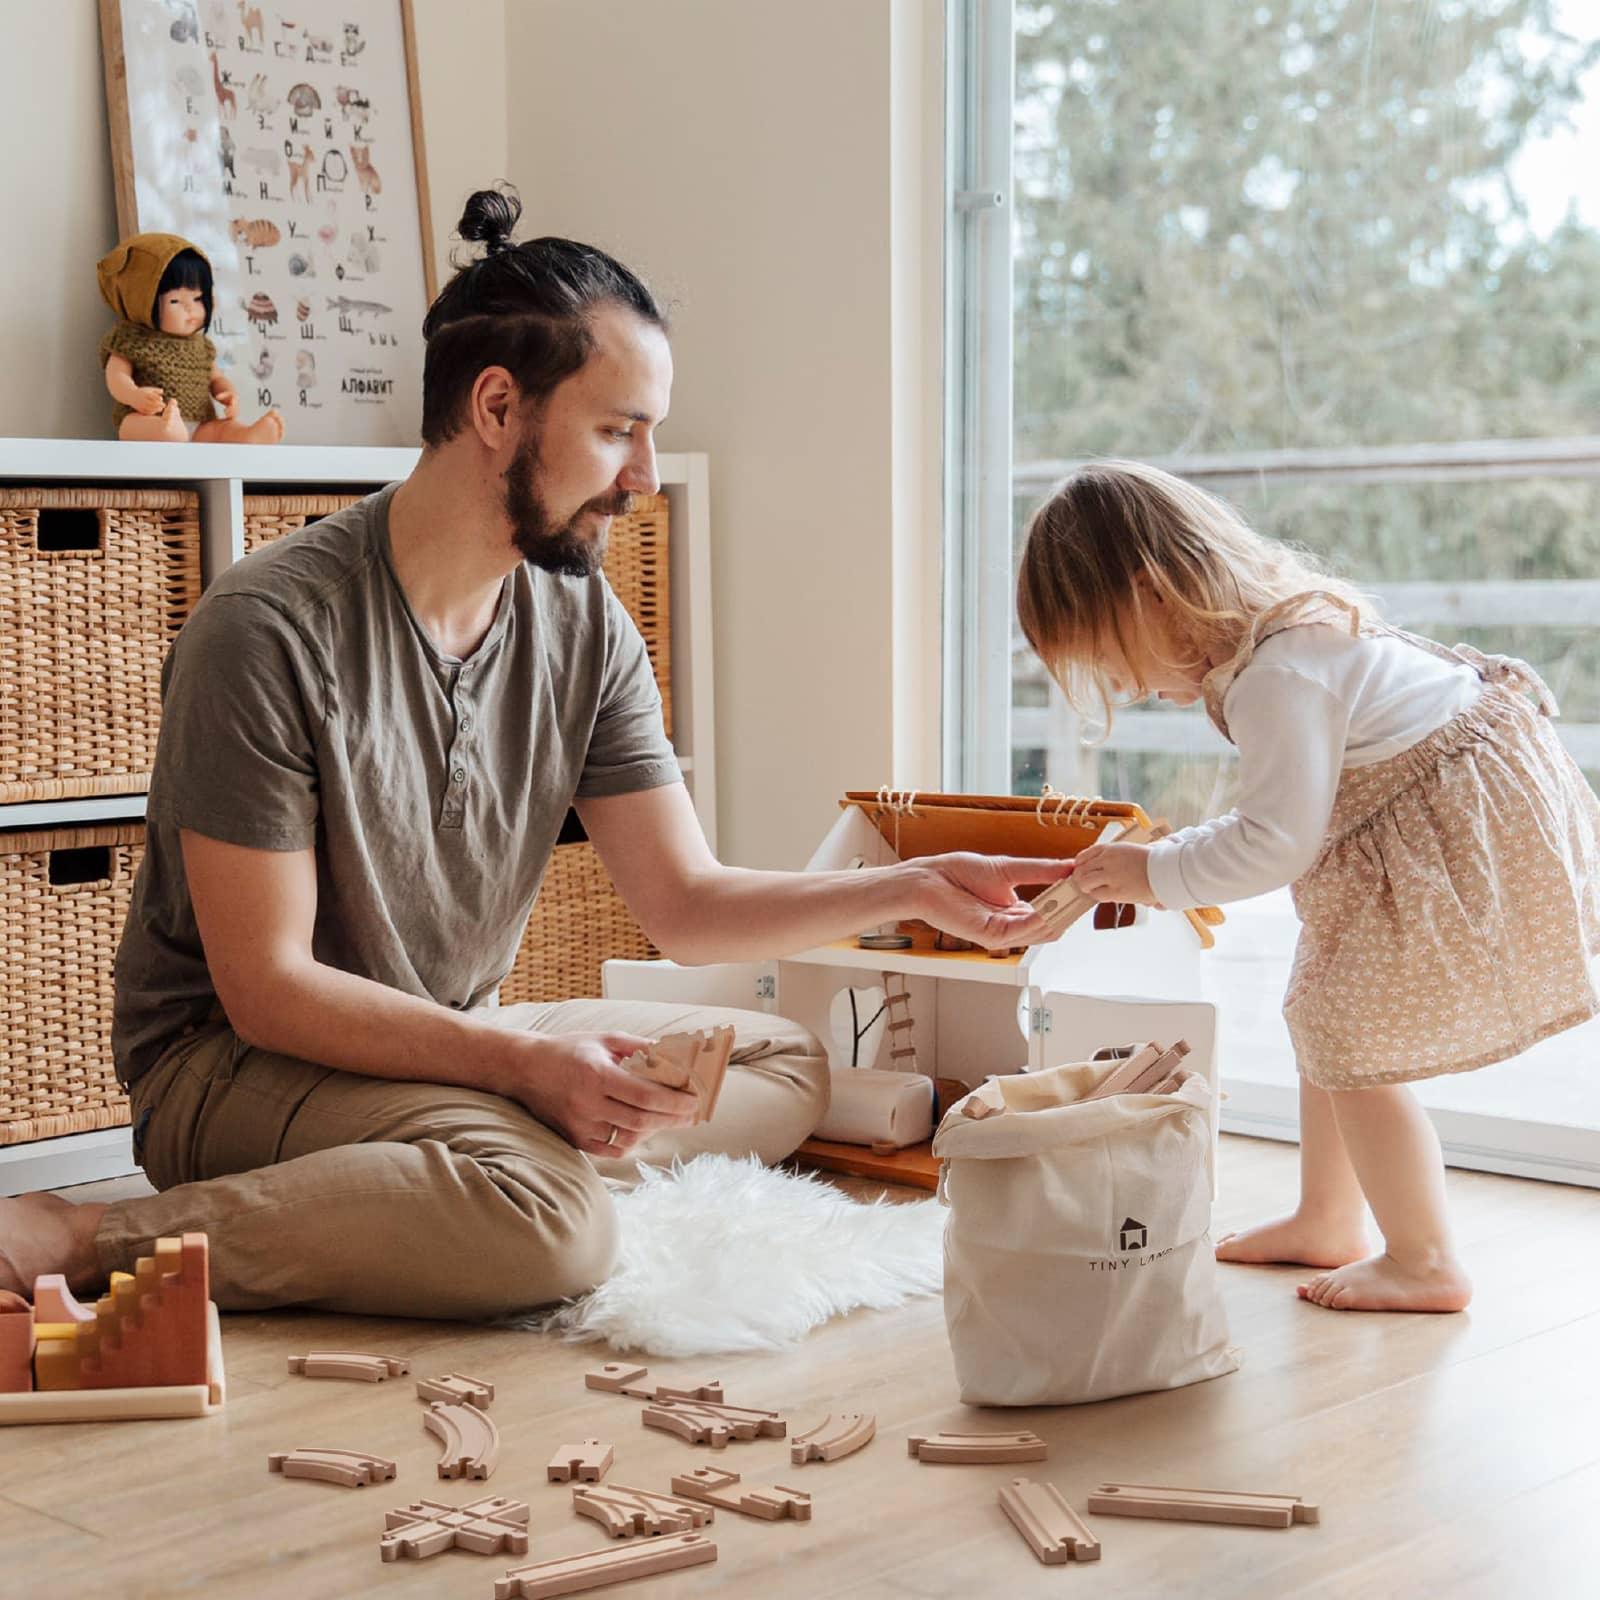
(42, 1233)
(1380, 1283)
(1304, 1240)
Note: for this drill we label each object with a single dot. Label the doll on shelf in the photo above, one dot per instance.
(160, 367)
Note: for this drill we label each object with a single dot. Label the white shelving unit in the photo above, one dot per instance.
(222, 475)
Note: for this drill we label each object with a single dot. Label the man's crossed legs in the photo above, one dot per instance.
(339, 1192)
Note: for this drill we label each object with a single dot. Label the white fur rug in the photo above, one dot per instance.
(718, 1256)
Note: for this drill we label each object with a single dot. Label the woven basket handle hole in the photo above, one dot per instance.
(85, 864)
(71, 529)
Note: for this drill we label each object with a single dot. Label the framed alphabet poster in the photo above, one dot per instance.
(286, 142)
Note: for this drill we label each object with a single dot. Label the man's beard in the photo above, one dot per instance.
(565, 551)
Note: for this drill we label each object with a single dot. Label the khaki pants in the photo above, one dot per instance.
(340, 1192)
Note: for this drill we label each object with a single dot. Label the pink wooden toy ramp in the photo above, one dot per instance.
(150, 1347)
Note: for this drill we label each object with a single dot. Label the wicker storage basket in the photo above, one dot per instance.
(578, 921)
(636, 568)
(270, 516)
(63, 897)
(94, 585)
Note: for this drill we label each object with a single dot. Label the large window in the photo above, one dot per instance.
(1337, 260)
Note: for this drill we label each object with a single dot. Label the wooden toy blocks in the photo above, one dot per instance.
(619, 1377)
(587, 1462)
(426, 1527)
(975, 1448)
(717, 1488)
(1201, 1505)
(453, 1387)
(544, 1580)
(150, 1347)
(703, 1422)
(352, 1364)
(16, 1344)
(351, 1469)
(471, 1441)
(1052, 1528)
(835, 1437)
(624, 1511)
(693, 1061)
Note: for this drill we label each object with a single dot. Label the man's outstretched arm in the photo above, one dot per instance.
(696, 910)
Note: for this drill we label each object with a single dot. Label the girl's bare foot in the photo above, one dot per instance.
(1304, 1240)
(42, 1233)
(1380, 1283)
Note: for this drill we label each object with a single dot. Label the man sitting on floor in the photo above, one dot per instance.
(372, 732)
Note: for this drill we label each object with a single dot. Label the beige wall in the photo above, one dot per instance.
(774, 170)
(742, 154)
(61, 211)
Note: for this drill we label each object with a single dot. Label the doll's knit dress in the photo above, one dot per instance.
(178, 365)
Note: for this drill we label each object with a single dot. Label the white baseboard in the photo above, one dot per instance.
(60, 1163)
(1553, 1152)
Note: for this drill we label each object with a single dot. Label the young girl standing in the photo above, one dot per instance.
(1443, 848)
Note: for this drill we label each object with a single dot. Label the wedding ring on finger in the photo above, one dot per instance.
(611, 1138)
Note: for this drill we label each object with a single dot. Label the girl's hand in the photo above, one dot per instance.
(1119, 872)
(150, 402)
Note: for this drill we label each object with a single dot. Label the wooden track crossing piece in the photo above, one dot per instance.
(702, 1422)
(618, 1377)
(1043, 1517)
(1201, 1505)
(969, 1448)
(623, 1511)
(353, 1469)
(836, 1436)
(349, 1364)
(544, 1580)
(485, 1527)
(471, 1441)
(769, 1502)
(455, 1388)
(588, 1461)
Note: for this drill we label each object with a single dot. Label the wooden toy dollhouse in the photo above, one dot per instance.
(1122, 975)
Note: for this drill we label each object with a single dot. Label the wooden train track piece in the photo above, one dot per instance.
(1127, 1072)
(770, 1502)
(352, 1469)
(588, 1461)
(456, 1389)
(624, 1511)
(351, 1364)
(1053, 1529)
(486, 1527)
(836, 1436)
(697, 1062)
(1201, 1505)
(471, 1441)
(619, 1377)
(973, 1448)
(703, 1422)
(543, 1580)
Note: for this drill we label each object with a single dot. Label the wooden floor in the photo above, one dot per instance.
(1451, 1456)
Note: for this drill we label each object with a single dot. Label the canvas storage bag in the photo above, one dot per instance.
(1077, 1263)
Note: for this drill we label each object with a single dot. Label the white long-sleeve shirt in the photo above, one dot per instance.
(1311, 703)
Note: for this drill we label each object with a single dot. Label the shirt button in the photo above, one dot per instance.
(464, 724)
(459, 775)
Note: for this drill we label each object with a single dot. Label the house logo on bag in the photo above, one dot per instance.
(1133, 1235)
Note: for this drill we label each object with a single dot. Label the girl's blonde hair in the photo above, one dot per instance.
(1113, 520)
